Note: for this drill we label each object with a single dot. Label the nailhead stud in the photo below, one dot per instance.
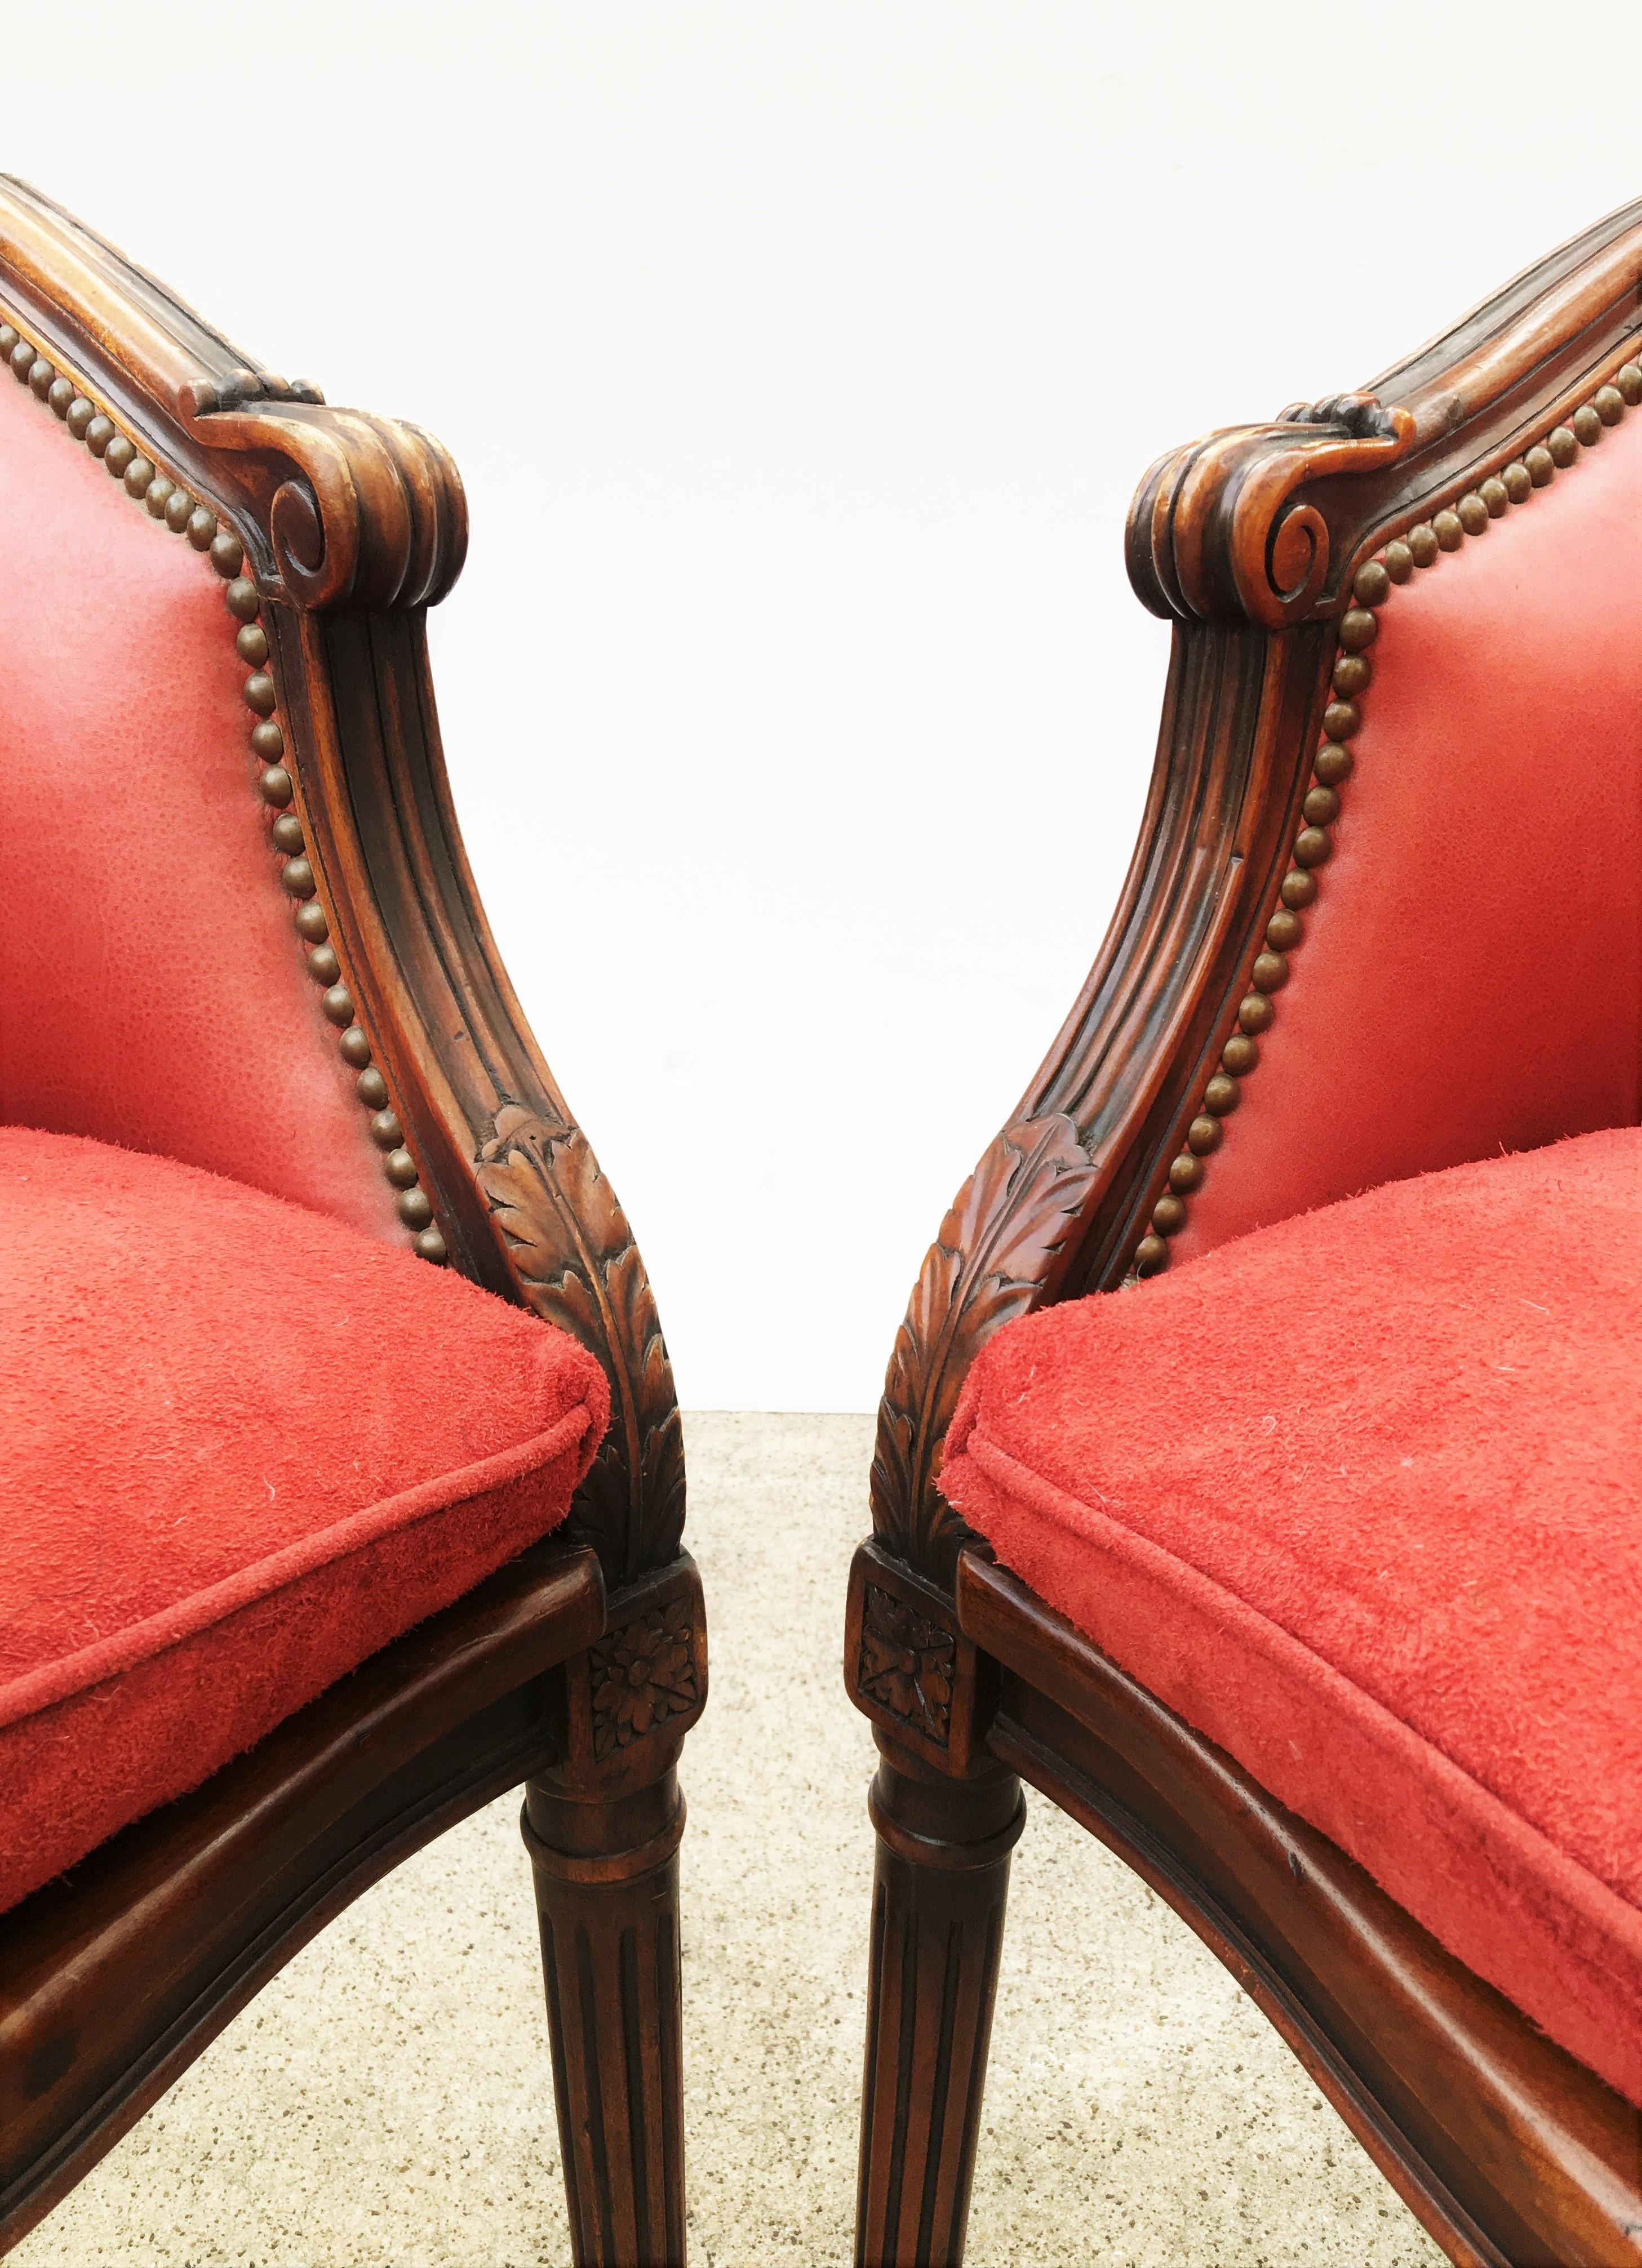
(356, 1049)
(1298, 888)
(1563, 446)
(1370, 586)
(312, 924)
(296, 877)
(400, 1168)
(1321, 807)
(1587, 426)
(1398, 561)
(1222, 1094)
(242, 598)
(1168, 1215)
(1333, 763)
(1254, 1012)
(338, 1007)
(414, 1209)
(1270, 972)
(1518, 484)
(1285, 931)
(1312, 847)
(372, 1089)
(1423, 545)
(286, 833)
(1152, 1256)
(275, 786)
(1240, 1055)
(323, 964)
(1185, 1173)
(430, 1245)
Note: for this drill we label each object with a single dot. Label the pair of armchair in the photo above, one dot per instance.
(343, 1466)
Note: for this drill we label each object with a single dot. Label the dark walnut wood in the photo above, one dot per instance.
(1507, 2149)
(340, 529)
(1250, 540)
(112, 1980)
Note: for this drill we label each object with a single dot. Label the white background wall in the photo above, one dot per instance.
(801, 360)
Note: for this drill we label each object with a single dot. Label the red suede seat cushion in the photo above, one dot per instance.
(1359, 1496)
(244, 1445)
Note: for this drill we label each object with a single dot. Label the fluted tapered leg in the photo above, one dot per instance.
(607, 1897)
(938, 1899)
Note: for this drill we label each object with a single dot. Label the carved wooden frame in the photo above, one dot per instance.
(341, 529)
(1252, 541)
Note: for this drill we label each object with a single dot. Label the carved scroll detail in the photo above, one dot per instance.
(569, 1246)
(1000, 1249)
(1219, 531)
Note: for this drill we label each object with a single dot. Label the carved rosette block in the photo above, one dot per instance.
(1001, 1251)
(909, 1668)
(907, 1663)
(642, 1674)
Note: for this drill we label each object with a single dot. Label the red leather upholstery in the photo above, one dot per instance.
(1360, 1497)
(245, 1446)
(1471, 975)
(151, 991)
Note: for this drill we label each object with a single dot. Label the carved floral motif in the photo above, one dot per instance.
(570, 1247)
(907, 1664)
(1001, 1247)
(642, 1674)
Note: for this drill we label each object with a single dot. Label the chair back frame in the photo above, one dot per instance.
(1269, 547)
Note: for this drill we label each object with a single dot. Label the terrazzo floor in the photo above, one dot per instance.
(386, 2103)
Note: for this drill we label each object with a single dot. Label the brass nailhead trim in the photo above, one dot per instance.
(1470, 517)
(167, 500)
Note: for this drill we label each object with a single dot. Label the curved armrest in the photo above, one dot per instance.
(1272, 546)
(339, 529)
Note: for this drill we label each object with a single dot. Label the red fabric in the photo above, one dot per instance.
(1471, 975)
(152, 992)
(1360, 1497)
(245, 1446)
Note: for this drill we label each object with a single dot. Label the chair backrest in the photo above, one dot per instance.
(153, 991)
(1467, 976)
(237, 923)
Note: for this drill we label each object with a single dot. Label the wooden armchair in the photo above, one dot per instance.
(342, 1464)
(1305, 1575)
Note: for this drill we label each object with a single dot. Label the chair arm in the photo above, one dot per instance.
(339, 529)
(1252, 540)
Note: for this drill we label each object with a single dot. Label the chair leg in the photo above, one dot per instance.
(938, 1898)
(603, 1826)
(607, 1898)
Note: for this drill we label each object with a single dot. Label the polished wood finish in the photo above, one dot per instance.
(334, 531)
(1251, 540)
(940, 1887)
(112, 1984)
(1496, 2137)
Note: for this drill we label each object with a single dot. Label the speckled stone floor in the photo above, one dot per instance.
(386, 2103)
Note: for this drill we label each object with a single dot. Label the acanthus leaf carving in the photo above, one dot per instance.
(1001, 1248)
(575, 1261)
